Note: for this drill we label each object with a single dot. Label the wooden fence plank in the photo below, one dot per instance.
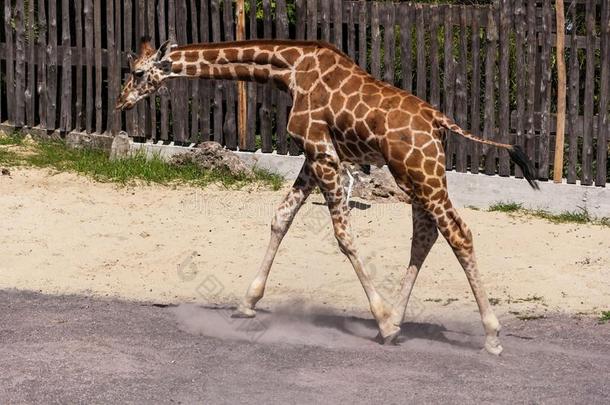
(217, 106)
(573, 104)
(362, 37)
(184, 99)
(130, 115)
(420, 28)
(406, 46)
(532, 75)
(30, 93)
(475, 91)
(89, 44)
(242, 102)
(42, 65)
(338, 23)
(173, 86)
(281, 29)
(461, 94)
(151, 122)
(142, 120)
(10, 73)
(79, 113)
(230, 124)
(603, 133)
(52, 67)
(587, 144)
(253, 89)
(375, 42)
(112, 122)
(325, 20)
(164, 99)
(301, 18)
(449, 82)
(206, 87)
(389, 42)
(504, 86)
(545, 92)
(97, 17)
(490, 67)
(351, 31)
(435, 83)
(301, 24)
(312, 20)
(19, 63)
(65, 121)
(265, 110)
(520, 75)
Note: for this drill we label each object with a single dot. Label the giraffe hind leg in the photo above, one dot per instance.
(329, 174)
(425, 234)
(456, 232)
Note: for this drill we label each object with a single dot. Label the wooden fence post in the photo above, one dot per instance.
(19, 64)
(242, 100)
(587, 143)
(65, 122)
(561, 92)
(604, 96)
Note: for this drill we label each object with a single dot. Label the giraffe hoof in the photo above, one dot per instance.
(389, 339)
(243, 312)
(493, 346)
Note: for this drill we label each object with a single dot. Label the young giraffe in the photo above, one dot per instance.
(340, 113)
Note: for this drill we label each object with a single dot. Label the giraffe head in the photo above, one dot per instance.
(147, 71)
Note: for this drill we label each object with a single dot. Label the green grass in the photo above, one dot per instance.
(97, 165)
(604, 317)
(505, 207)
(575, 217)
(16, 138)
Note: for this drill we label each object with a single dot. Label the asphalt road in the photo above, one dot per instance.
(71, 349)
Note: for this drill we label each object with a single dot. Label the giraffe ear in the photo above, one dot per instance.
(131, 57)
(163, 50)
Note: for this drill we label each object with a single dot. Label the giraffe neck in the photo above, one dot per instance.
(260, 61)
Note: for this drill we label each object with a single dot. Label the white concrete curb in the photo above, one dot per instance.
(465, 189)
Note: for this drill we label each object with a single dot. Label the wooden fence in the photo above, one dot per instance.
(492, 68)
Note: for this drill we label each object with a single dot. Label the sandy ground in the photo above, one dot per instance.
(65, 234)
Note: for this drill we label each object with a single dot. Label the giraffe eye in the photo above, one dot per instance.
(138, 74)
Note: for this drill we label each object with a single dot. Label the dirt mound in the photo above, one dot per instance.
(379, 185)
(212, 156)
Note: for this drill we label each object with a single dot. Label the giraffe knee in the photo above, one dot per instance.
(280, 222)
(345, 243)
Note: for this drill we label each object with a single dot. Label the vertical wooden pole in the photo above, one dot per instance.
(242, 100)
(561, 92)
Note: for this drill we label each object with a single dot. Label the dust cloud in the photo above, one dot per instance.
(293, 323)
(299, 323)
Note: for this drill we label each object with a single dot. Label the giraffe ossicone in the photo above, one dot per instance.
(340, 114)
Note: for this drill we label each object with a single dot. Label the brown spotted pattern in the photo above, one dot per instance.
(342, 114)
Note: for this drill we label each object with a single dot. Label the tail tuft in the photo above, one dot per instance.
(518, 156)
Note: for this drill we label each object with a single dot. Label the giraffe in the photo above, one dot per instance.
(341, 114)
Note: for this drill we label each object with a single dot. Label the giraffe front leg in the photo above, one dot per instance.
(279, 226)
(329, 174)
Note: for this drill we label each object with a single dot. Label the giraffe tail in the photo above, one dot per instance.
(516, 152)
